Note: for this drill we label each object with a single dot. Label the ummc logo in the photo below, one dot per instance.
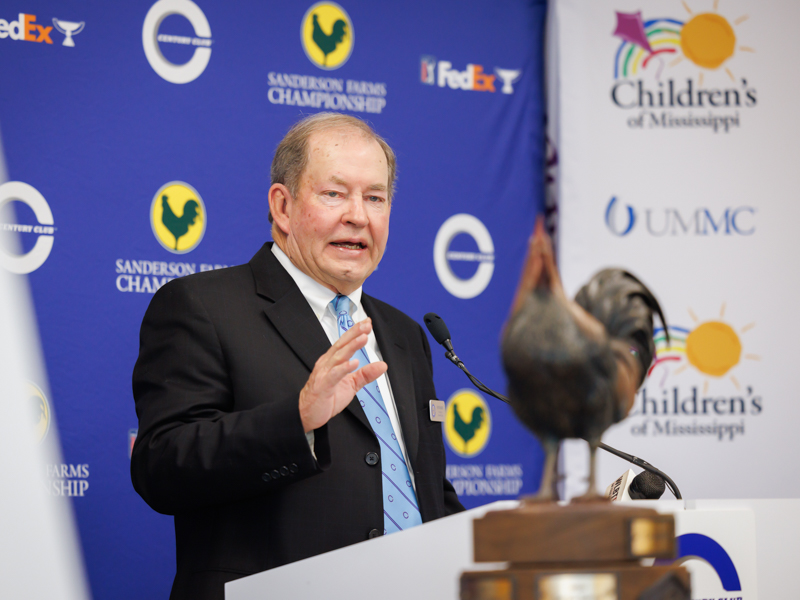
(442, 255)
(32, 260)
(472, 78)
(202, 43)
(621, 220)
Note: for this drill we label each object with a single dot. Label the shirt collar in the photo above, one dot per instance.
(317, 295)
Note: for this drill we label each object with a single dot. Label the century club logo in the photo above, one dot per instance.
(26, 29)
(468, 286)
(473, 78)
(39, 410)
(700, 547)
(29, 261)
(709, 351)
(650, 54)
(201, 41)
(467, 423)
(178, 217)
(327, 35)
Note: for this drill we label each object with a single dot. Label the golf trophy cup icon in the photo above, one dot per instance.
(68, 28)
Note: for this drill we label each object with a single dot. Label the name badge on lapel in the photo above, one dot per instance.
(437, 410)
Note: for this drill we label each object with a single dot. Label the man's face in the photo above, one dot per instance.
(339, 222)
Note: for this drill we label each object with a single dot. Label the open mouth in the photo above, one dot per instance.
(349, 245)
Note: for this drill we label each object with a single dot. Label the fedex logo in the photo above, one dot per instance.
(25, 28)
(473, 78)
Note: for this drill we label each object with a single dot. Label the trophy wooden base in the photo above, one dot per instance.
(586, 551)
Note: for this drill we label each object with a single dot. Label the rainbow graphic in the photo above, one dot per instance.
(654, 38)
(675, 351)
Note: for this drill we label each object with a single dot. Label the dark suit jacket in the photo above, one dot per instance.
(223, 356)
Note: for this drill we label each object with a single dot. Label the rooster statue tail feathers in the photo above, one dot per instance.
(621, 302)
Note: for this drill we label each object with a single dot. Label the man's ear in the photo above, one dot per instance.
(280, 201)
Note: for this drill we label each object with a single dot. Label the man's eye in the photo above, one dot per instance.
(375, 199)
(332, 194)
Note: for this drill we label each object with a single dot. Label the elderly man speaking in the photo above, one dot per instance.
(283, 412)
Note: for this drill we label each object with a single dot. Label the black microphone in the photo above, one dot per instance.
(647, 486)
(644, 486)
(441, 334)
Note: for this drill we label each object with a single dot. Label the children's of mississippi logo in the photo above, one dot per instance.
(327, 35)
(653, 50)
(467, 423)
(709, 352)
(178, 217)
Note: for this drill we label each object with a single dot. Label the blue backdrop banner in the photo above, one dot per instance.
(106, 107)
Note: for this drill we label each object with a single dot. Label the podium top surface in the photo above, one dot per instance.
(426, 561)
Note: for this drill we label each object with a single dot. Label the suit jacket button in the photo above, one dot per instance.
(293, 468)
(284, 471)
(266, 477)
(275, 474)
(372, 459)
(373, 533)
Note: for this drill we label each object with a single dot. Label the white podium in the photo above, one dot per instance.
(761, 539)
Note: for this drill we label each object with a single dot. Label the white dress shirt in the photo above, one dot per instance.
(319, 299)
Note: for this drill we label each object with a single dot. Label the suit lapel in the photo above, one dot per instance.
(291, 316)
(395, 354)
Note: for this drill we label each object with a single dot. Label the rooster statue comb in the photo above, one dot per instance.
(574, 367)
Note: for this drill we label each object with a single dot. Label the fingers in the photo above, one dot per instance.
(369, 373)
(351, 342)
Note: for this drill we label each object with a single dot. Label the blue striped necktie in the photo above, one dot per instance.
(400, 507)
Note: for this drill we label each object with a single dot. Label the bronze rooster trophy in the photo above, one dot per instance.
(574, 367)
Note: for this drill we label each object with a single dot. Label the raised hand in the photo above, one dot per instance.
(334, 381)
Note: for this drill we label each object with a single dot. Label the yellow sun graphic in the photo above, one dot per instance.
(708, 40)
(714, 348)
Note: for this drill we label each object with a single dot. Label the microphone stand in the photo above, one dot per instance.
(451, 356)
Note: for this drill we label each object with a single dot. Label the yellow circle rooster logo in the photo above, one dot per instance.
(39, 410)
(467, 423)
(327, 35)
(178, 217)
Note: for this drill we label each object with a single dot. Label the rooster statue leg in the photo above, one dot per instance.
(545, 493)
(591, 494)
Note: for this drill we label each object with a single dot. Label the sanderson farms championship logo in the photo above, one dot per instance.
(327, 35)
(467, 423)
(178, 217)
(652, 51)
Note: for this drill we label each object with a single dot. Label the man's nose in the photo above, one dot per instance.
(356, 212)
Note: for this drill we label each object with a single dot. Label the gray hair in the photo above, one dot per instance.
(291, 155)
